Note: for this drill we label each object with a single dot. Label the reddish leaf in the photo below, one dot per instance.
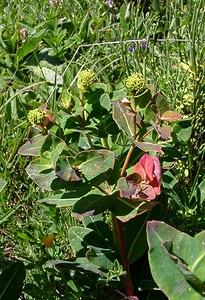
(164, 131)
(149, 147)
(171, 116)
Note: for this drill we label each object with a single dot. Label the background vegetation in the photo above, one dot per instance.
(43, 47)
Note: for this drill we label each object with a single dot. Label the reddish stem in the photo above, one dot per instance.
(148, 132)
(127, 160)
(129, 290)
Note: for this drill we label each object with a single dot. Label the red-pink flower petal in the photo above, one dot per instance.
(147, 193)
(138, 168)
(148, 165)
(157, 168)
(156, 186)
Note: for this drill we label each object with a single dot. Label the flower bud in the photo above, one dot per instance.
(85, 79)
(136, 83)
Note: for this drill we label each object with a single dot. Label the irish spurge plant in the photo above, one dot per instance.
(104, 156)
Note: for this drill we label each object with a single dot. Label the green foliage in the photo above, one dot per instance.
(79, 157)
(11, 279)
(182, 255)
(2, 184)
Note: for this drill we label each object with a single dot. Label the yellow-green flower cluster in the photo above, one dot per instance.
(186, 105)
(136, 83)
(85, 79)
(36, 116)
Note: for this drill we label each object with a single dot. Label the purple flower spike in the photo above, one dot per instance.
(144, 43)
(131, 48)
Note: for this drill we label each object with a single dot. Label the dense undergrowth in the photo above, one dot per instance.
(44, 45)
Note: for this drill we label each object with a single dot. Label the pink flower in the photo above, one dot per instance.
(145, 182)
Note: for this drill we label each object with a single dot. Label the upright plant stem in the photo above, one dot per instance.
(120, 240)
(118, 231)
(127, 160)
(81, 94)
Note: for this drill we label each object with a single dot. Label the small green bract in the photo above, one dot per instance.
(36, 116)
(136, 83)
(85, 79)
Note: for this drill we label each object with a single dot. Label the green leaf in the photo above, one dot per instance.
(124, 15)
(143, 99)
(188, 275)
(89, 162)
(149, 114)
(80, 238)
(176, 192)
(93, 95)
(183, 130)
(53, 144)
(199, 194)
(124, 118)
(171, 151)
(28, 46)
(98, 224)
(126, 210)
(92, 163)
(65, 171)
(161, 103)
(33, 146)
(108, 160)
(2, 184)
(47, 74)
(71, 130)
(76, 192)
(11, 281)
(33, 291)
(42, 172)
(80, 264)
(101, 257)
(182, 255)
(105, 101)
(93, 203)
(135, 233)
(66, 98)
(77, 239)
(9, 213)
(118, 94)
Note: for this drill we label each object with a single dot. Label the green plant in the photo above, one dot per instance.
(84, 162)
